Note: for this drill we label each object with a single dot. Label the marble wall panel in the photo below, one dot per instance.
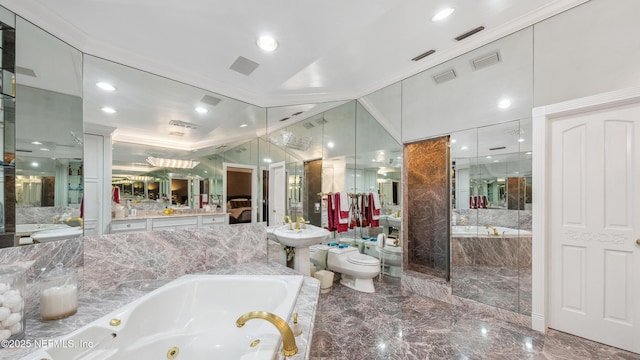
(494, 217)
(42, 215)
(427, 206)
(491, 251)
(115, 259)
(33, 259)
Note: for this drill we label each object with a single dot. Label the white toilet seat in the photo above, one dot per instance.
(362, 259)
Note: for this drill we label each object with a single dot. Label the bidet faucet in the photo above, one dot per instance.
(287, 219)
(300, 220)
(289, 347)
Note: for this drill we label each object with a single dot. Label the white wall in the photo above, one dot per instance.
(470, 100)
(591, 49)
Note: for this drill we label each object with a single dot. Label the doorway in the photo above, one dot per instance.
(239, 192)
(588, 218)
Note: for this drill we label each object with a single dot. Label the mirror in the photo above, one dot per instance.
(164, 119)
(341, 149)
(490, 87)
(491, 219)
(49, 170)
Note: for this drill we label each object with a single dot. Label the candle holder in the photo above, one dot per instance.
(58, 293)
(12, 292)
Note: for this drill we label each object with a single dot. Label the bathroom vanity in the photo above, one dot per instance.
(167, 222)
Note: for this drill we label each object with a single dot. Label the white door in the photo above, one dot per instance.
(277, 193)
(595, 226)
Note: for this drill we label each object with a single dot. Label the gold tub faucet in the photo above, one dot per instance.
(300, 220)
(495, 231)
(289, 347)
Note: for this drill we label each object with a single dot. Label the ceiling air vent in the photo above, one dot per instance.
(25, 71)
(444, 76)
(284, 119)
(244, 66)
(296, 114)
(321, 121)
(308, 125)
(486, 60)
(469, 33)
(208, 99)
(423, 55)
(498, 148)
(183, 124)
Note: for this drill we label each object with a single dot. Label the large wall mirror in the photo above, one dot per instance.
(159, 120)
(49, 130)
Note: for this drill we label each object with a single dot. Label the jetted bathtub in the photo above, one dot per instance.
(193, 317)
(472, 230)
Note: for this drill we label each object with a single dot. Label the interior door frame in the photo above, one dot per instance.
(254, 187)
(272, 184)
(541, 159)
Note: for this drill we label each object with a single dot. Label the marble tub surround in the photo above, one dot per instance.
(515, 219)
(38, 257)
(96, 304)
(115, 259)
(509, 251)
(396, 324)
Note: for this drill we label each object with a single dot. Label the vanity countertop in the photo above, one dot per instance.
(157, 214)
(92, 306)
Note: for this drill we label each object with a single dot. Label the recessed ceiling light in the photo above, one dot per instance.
(464, 148)
(504, 104)
(267, 160)
(105, 86)
(44, 149)
(442, 14)
(34, 164)
(373, 160)
(496, 160)
(201, 110)
(244, 125)
(521, 140)
(36, 142)
(267, 43)
(108, 110)
(453, 141)
(528, 153)
(489, 157)
(330, 144)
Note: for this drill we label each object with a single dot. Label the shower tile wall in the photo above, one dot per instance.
(427, 204)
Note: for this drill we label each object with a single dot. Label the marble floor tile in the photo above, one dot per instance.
(395, 324)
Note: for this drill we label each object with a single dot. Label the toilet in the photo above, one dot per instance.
(357, 270)
(57, 234)
(390, 256)
(391, 260)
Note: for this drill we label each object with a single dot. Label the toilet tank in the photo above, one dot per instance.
(318, 256)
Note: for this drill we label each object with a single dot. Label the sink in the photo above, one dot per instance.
(394, 221)
(311, 235)
(390, 221)
(300, 240)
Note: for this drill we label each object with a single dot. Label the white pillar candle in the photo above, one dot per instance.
(58, 302)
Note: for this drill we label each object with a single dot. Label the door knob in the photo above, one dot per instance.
(638, 242)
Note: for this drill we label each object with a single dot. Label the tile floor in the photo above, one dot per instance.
(396, 324)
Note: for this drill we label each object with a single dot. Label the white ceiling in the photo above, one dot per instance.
(328, 50)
